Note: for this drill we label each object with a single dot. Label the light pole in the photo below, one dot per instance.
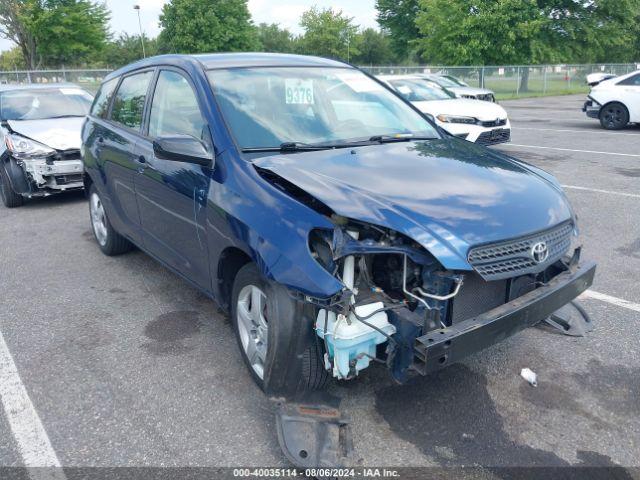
(348, 47)
(137, 7)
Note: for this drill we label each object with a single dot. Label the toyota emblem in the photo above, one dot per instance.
(539, 252)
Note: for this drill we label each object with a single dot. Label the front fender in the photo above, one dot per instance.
(273, 228)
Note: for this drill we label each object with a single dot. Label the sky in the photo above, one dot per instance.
(285, 12)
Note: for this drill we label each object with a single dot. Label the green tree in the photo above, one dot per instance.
(197, 26)
(525, 32)
(12, 60)
(398, 18)
(480, 32)
(328, 34)
(71, 31)
(16, 24)
(374, 48)
(55, 32)
(272, 38)
(127, 49)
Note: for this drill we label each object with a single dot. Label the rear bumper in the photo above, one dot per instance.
(444, 346)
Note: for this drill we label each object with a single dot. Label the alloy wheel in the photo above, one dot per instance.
(98, 219)
(614, 116)
(253, 326)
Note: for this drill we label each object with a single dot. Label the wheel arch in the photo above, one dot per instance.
(615, 101)
(231, 260)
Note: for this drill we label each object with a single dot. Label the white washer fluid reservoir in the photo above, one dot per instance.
(350, 339)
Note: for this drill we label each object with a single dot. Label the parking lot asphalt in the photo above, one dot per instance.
(127, 365)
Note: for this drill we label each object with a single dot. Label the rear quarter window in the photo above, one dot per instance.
(633, 80)
(100, 106)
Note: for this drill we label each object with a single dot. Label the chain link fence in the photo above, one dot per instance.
(89, 79)
(513, 81)
(509, 81)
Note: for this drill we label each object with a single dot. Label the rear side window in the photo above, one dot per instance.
(101, 104)
(634, 80)
(128, 104)
(174, 109)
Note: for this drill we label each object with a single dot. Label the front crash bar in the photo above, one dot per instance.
(443, 346)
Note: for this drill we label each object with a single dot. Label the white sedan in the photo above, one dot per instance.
(615, 102)
(473, 120)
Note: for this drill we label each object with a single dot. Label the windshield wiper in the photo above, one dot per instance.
(63, 116)
(398, 138)
(289, 147)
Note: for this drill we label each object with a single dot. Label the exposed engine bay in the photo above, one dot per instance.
(395, 294)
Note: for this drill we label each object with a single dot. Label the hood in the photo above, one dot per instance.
(464, 107)
(446, 194)
(469, 91)
(57, 133)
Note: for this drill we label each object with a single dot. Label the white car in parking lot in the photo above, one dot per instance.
(615, 102)
(473, 120)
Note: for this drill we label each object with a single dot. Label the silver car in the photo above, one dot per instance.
(40, 140)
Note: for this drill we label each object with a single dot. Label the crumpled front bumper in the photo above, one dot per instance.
(443, 346)
(43, 176)
(591, 108)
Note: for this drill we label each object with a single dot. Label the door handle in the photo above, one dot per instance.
(142, 163)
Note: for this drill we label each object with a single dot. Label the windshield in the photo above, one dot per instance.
(419, 90)
(266, 107)
(41, 103)
(454, 82)
(443, 81)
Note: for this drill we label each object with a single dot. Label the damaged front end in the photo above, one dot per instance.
(34, 169)
(401, 308)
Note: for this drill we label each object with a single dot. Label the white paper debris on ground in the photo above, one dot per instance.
(530, 376)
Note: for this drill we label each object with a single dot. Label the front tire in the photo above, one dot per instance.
(614, 116)
(110, 242)
(10, 199)
(276, 341)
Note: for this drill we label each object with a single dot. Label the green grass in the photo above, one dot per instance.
(507, 88)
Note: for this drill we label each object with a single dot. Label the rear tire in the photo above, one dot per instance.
(110, 242)
(279, 349)
(614, 116)
(10, 199)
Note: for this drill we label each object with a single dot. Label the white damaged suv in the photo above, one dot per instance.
(40, 140)
(615, 102)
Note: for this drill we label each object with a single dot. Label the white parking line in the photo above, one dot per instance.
(31, 438)
(598, 190)
(590, 132)
(612, 300)
(569, 150)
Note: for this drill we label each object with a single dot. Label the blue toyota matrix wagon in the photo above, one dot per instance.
(335, 223)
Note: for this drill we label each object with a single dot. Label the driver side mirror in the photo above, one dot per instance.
(182, 148)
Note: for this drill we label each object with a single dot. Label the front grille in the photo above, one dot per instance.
(487, 97)
(514, 258)
(72, 154)
(494, 123)
(499, 135)
(476, 297)
(67, 179)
